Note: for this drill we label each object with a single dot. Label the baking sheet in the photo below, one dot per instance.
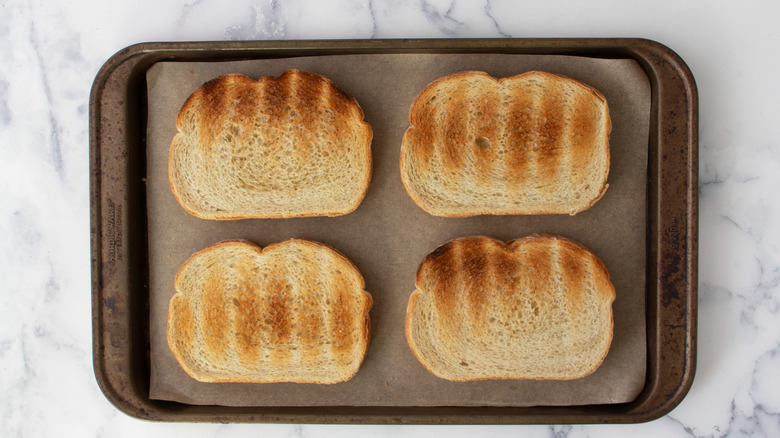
(388, 235)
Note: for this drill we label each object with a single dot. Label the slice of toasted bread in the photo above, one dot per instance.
(294, 311)
(535, 143)
(290, 146)
(539, 307)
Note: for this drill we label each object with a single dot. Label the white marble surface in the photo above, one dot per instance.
(51, 51)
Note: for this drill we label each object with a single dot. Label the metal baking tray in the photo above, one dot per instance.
(120, 258)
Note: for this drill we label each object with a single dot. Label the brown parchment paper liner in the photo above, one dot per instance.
(388, 235)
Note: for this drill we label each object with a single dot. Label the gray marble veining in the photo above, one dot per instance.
(51, 51)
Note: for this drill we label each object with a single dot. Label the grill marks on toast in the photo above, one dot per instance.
(483, 143)
(341, 320)
(440, 271)
(210, 119)
(521, 128)
(214, 312)
(294, 311)
(547, 148)
(248, 323)
(455, 129)
(534, 308)
(238, 132)
(185, 328)
(308, 322)
(573, 271)
(583, 131)
(426, 115)
(278, 323)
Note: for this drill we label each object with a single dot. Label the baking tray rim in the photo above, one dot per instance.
(672, 238)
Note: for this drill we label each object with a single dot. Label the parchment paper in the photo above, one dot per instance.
(388, 235)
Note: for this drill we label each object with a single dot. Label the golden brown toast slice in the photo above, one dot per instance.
(539, 307)
(294, 311)
(281, 147)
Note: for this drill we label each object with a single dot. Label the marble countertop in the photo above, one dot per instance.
(50, 53)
